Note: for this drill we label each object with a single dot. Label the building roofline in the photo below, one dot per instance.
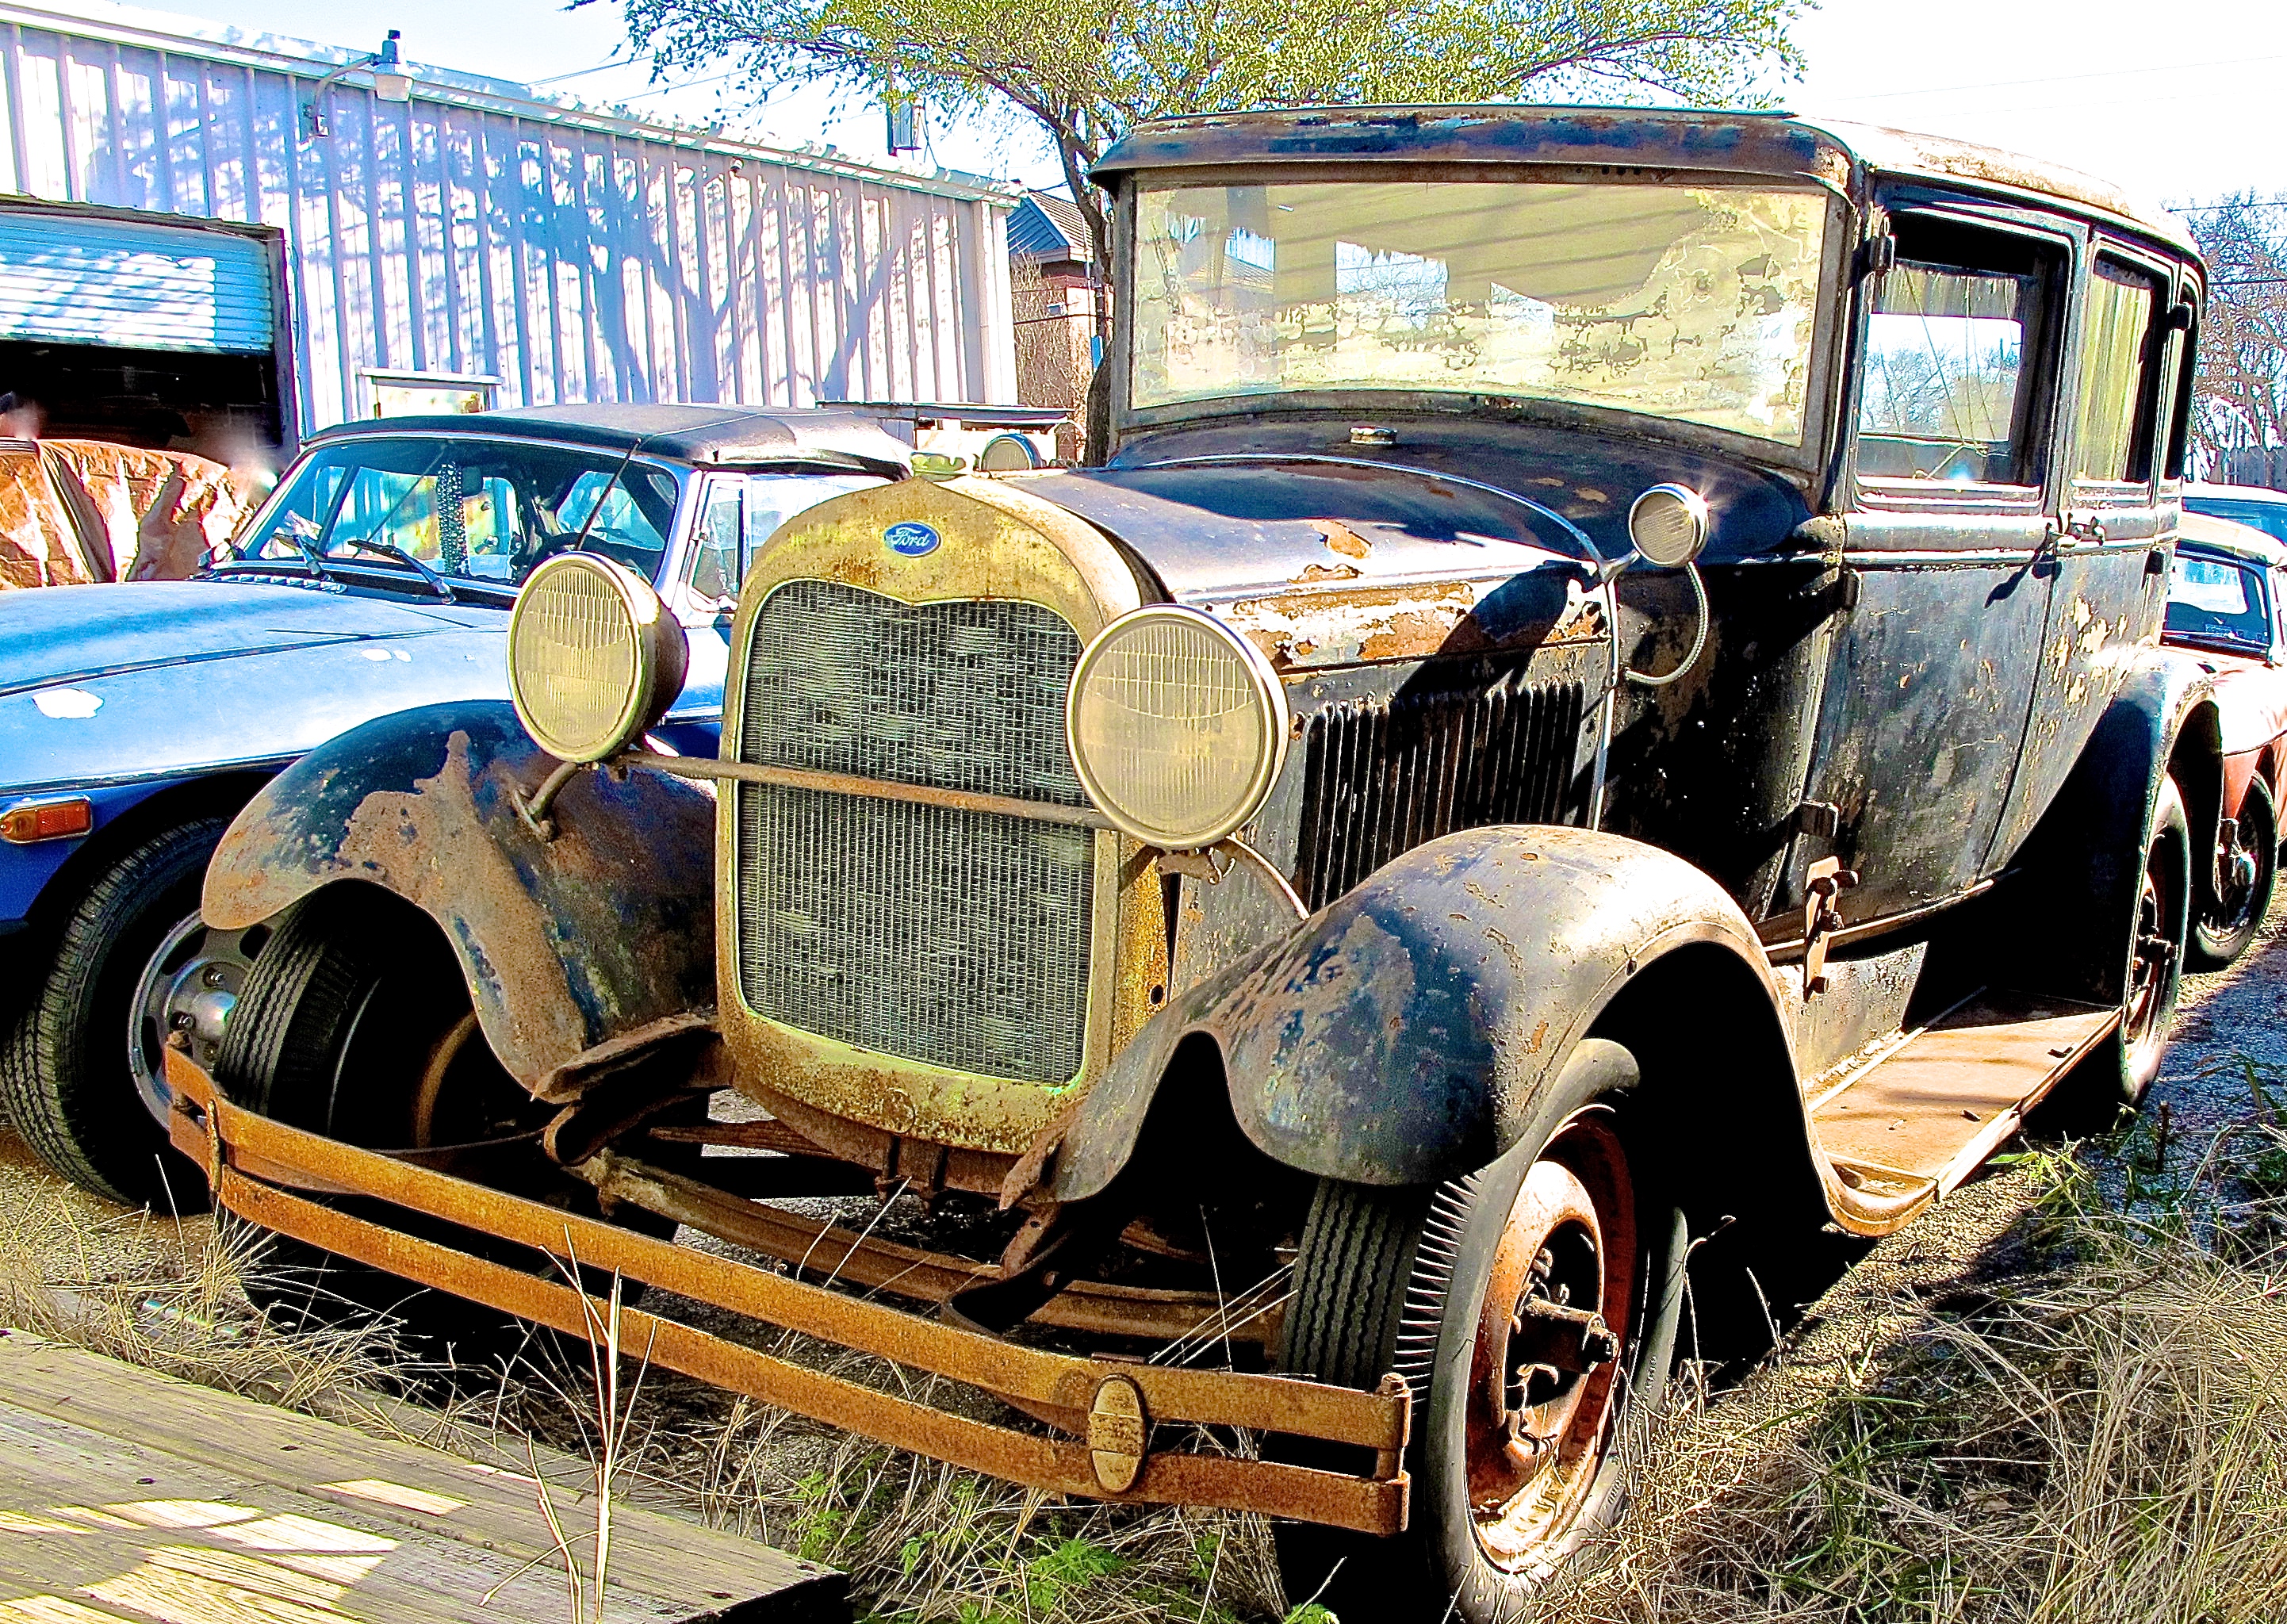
(451, 87)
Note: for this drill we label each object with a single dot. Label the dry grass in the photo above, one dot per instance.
(2082, 1424)
(2102, 1439)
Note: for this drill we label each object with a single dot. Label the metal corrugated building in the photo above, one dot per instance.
(572, 254)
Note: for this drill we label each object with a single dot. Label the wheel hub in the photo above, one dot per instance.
(190, 986)
(1546, 1357)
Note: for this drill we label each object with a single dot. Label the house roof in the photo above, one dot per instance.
(1048, 226)
(721, 434)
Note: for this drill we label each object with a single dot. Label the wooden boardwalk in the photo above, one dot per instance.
(128, 1496)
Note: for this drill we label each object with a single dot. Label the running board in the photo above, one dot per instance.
(1927, 1113)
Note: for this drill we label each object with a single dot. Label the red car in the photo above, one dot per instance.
(2225, 607)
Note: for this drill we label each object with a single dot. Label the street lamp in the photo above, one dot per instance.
(391, 83)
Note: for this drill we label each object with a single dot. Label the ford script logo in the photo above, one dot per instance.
(910, 541)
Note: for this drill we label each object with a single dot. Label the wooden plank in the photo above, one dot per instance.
(1957, 1084)
(139, 1496)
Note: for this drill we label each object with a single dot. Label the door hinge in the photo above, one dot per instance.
(1826, 880)
(1823, 818)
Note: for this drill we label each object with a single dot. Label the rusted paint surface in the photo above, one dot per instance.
(1377, 1422)
(1402, 1034)
(565, 944)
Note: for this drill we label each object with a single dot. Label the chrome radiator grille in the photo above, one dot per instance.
(955, 938)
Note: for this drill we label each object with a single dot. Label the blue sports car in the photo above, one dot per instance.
(136, 719)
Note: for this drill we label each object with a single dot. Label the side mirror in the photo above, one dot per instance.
(1667, 525)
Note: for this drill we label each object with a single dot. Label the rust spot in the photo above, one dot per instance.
(1341, 539)
(1314, 573)
(1539, 1040)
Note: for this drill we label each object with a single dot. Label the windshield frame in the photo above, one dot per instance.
(368, 569)
(1830, 330)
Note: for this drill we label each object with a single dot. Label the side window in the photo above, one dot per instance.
(716, 567)
(2112, 426)
(1951, 379)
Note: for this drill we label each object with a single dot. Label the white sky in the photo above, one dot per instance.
(2180, 113)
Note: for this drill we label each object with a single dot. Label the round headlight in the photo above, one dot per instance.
(1668, 525)
(593, 656)
(1178, 726)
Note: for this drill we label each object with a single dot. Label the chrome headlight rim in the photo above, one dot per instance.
(1695, 511)
(655, 640)
(1271, 700)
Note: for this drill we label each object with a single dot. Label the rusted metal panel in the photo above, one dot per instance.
(223, 1134)
(566, 944)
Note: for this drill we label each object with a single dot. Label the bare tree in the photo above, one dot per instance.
(2240, 395)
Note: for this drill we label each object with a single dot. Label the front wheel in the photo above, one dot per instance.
(356, 1024)
(2236, 894)
(1532, 1307)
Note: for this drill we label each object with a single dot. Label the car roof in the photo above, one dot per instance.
(714, 434)
(2237, 492)
(2224, 535)
(1752, 142)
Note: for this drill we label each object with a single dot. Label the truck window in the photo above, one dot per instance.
(1952, 365)
(2112, 437)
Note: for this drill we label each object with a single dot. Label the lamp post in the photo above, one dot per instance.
(391, 83)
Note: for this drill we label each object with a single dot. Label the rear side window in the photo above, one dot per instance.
(2112, 435)
(1951, 374)
(2217, 599)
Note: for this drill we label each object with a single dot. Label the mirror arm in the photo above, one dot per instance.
(1698, 640)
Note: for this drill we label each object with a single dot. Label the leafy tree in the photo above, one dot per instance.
(1087, 70)
(2240, 396)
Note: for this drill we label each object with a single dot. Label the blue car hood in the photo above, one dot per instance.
(70, 633)
(118, 683)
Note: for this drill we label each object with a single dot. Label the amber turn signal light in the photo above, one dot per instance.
(29, 821)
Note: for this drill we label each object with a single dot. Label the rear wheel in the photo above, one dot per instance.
(1532, 1307)
(356, 1024)
(2235, 893)
(2116, 1075)
(82, 1071)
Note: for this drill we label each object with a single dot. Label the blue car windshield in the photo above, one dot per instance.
(472, 509)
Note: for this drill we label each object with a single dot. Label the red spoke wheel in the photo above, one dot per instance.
(1532, 1307)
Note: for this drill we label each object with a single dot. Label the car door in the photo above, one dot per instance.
(1954, 399)
(2132, 332)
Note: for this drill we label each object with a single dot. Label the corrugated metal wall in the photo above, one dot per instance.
(576, 256)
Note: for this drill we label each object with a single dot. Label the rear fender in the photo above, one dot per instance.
(1407, 1032)
(2076, 878)
(566, 944)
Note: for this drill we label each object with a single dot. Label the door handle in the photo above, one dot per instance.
(2084, 527)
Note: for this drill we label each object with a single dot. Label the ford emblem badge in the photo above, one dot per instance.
(910, 541)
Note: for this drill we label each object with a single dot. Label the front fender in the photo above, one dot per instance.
(1405, 1032)
(565, 943)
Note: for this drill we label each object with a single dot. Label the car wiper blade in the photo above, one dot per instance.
(365, 543)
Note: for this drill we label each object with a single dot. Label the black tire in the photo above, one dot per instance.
(2114, 1077)
(1397, 1280)
(351, 1002)
(67, 1070)
(2232, 905)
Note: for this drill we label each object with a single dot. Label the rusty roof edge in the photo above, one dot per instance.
(1744, 139)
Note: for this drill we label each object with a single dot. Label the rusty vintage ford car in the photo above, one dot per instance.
(1609, 682)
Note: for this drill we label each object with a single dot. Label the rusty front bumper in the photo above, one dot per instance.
(256, 1165)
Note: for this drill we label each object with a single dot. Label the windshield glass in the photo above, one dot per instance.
(1693, 302)
(2215, 598)
(475, 510)
(2268, 517)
